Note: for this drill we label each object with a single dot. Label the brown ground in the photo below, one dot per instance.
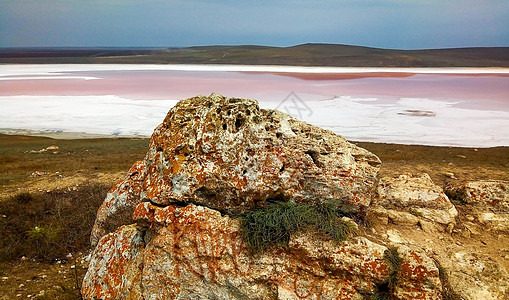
(100, 162)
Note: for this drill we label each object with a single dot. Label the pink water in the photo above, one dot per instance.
(454, 107)
(485, 92)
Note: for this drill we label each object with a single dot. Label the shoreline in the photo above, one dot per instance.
(70, 136)
(61, 68)
(459, 107)
(65, 135)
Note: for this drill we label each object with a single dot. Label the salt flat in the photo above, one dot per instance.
(434, 106)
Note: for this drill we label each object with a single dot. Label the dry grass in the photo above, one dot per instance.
(75, 207)
(86, 156)
(465, 163)
(48, 226)
(44, 218)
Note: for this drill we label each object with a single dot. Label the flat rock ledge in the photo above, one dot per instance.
(413, 200)
(488, 201)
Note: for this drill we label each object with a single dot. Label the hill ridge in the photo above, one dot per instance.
(309, 54)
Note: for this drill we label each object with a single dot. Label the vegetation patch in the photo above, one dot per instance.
(48, 226)
(274, 224)
(391, 256)
(415, 212)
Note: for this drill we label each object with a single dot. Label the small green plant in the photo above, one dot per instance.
(274, 224)
(48, 234)
(415, 212)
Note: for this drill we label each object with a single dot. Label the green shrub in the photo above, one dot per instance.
(274, 224)
(47, 234)
(391, 256)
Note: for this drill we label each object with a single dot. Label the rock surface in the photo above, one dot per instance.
(117, 209)
(214, 157)
(406, 197)
(477, 276)
(488, 199)
(230, 155)
(193, 252)
(493, 193)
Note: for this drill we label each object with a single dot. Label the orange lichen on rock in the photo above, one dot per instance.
(418, 276)
(120, 202)
(193, 250)
(215, 157)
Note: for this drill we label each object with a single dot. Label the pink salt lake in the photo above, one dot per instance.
(413, 106)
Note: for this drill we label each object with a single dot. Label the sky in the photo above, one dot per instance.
(393, 24)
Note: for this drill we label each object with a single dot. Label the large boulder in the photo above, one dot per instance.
(232, 156)
(214, 158)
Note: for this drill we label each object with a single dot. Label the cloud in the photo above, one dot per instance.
(382, 23)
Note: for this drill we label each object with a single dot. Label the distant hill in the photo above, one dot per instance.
(300, 55)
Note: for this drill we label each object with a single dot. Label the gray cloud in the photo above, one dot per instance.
(388, 23)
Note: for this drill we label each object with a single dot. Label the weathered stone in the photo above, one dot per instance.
(430, 227)
(487, 199)
(394, 236)
(418, 276)
(114, 269)
(194, 252)
(230, 155)
(493, 193)
(496, 221)
(476, 276)
(394, 216)
(418, 195)
(53, 148)
(117, 209)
